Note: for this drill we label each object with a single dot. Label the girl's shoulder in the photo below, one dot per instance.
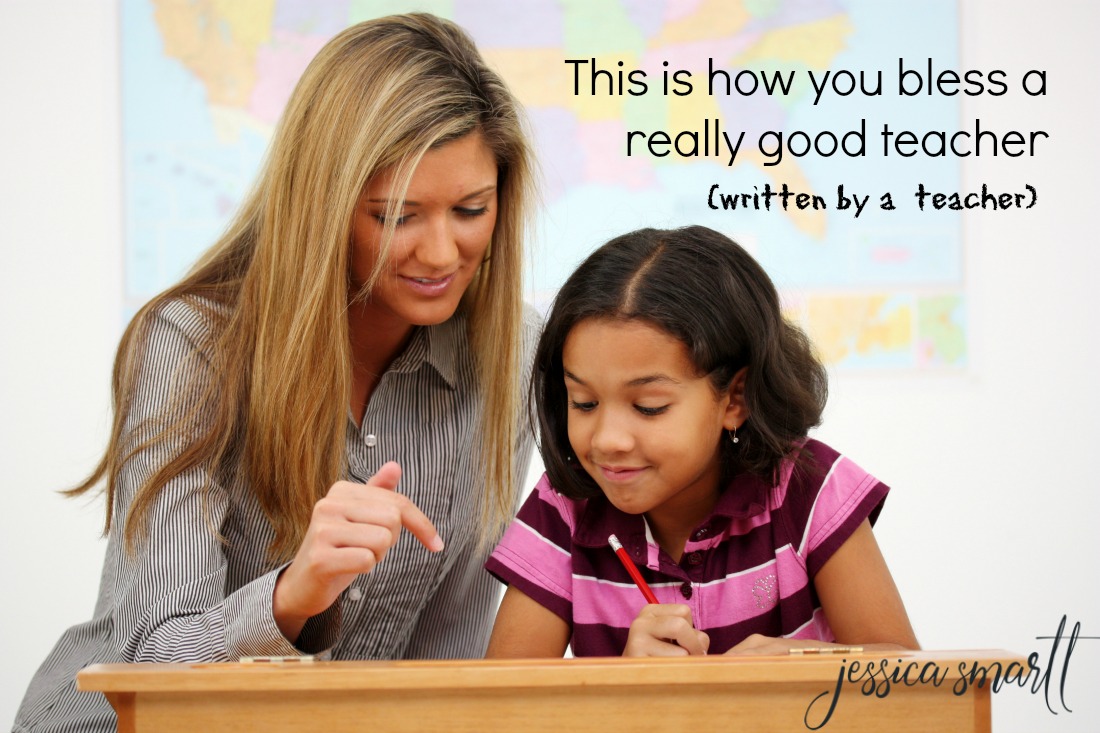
(546, 506)
(814, 472)
(815, 462)
(549, 494)
(821, 485)
(818, 452)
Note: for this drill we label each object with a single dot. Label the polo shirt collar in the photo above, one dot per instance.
(745, 497)
(600, 519)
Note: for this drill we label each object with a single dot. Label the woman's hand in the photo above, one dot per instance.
(664, 630)
(351, 531)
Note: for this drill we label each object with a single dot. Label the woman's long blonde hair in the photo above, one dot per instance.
(276, 287)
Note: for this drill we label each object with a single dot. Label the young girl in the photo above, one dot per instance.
(673, 402)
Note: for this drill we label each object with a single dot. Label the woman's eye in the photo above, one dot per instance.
(382, 219)
(582, 406)
(471, 213)
(650, 411)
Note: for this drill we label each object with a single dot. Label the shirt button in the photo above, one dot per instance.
(354, 594)
(701, 533)
(371, 440)
(685, 590)
(695, 558)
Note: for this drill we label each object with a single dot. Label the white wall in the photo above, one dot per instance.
(989, 530)
(60, 311)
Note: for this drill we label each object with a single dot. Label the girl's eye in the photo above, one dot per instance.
(582, 406)
(651, 411)
(471, 213)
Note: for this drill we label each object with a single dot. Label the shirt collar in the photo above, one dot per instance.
(600, 518)
(744, 497)
(435, 345)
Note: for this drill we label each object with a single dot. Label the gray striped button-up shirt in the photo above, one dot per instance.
(184, 596)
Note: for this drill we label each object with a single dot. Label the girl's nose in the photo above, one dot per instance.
(611, 435)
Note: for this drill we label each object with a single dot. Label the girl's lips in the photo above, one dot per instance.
(620, 473)
(428, 286)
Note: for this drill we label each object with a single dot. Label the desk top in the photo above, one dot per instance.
(535, 673)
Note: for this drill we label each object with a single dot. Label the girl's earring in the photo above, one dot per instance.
(733, 435)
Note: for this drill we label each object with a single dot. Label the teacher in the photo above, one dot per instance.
(343, 364)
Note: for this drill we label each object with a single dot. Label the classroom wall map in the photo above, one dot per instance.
(203, 84)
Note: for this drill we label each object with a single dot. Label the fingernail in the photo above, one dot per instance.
(436, 544)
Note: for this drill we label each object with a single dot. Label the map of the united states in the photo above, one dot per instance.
(204, 83)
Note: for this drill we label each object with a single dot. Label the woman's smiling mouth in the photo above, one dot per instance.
(427, 285)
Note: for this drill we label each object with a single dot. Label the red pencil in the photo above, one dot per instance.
(630, 568)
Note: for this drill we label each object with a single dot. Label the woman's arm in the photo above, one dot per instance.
(525, 629)
(179, 595)
(186, 595)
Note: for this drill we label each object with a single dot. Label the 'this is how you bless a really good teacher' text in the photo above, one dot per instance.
(907, 82)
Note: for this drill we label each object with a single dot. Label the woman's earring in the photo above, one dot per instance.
(733, 435)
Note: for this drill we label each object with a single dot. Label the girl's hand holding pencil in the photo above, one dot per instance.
(660, 629)
(665, 630)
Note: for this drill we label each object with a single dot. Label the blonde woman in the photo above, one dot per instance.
(343, 364)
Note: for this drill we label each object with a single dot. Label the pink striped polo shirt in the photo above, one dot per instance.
(746, 569)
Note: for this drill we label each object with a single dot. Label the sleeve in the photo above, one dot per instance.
(170, 601)
(535, 554)
(847, 495)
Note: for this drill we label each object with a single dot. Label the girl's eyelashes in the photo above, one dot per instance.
(471, 213)
(590, 406)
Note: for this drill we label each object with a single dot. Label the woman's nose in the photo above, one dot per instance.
(438, 248)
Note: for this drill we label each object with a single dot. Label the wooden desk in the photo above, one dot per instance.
(556, 696)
